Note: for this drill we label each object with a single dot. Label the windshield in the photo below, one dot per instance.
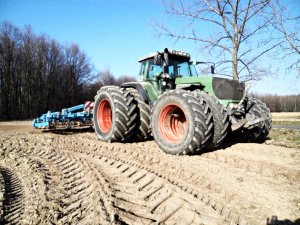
(176, 69)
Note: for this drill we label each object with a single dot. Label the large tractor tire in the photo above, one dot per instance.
(261, 130)
(181, 123)
(115, 114)
(143, 130)
(220, 120)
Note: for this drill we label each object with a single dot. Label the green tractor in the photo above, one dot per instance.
(186, 113)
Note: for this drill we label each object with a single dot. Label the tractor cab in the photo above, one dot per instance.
(162, 68)
(171, 69)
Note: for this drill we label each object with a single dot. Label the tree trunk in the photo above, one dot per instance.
(235, 75)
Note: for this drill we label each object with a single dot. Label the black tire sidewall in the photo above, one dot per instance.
(221, 124)
(258, 110)
(104, 95)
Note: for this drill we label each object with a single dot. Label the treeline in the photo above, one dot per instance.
(277, 103)
(38, 74)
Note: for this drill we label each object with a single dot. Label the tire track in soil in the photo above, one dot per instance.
(2, 189)
(202, 174)
(13, 208)
(77, 198)
(71, 191)
(204, 187)
(23, 199)
(144, 198)
(201, 180)
(74, 181)
(218, 210)
(198, 184)
(198, 175)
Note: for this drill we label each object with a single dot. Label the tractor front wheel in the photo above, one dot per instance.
(259, 110)
(220, 120)
(181, 123)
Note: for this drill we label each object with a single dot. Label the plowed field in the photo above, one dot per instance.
(70, 177)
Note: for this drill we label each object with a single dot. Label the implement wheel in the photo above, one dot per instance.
(181, 123)
(115, 114)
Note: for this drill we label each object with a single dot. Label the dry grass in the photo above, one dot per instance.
(295, 116)
(286, 123)
(284, 137)
(286, 118)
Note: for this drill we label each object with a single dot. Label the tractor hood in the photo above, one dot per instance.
(228, 89)
(223, 88)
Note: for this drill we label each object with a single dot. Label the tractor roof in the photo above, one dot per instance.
(173, 54)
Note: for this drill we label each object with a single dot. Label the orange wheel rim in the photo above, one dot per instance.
(104, 117)
(172, 124)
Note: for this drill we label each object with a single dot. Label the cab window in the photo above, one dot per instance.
(154, 70)
(183, 69)
(142, 69)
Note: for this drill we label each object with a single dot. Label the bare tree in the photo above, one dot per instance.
(125, 78)
(77, 72)
(288, 26)
(106, 77)
(39, 74)
(239, 32)
(280, 103)
(10, 41)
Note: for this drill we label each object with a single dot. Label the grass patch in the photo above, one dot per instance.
(286, 123)
(284, 137)
(286, 116)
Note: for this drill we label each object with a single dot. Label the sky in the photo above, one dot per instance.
(114, 34)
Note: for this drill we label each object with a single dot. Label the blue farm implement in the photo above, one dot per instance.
(76, 116)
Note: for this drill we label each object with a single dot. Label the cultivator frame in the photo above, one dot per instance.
(76, 116)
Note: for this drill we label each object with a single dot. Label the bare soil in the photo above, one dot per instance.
(70, 177)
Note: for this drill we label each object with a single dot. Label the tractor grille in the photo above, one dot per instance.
(228, 89)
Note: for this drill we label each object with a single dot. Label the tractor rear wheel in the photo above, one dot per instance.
(261, 130)
(143, 130)
(220, 120)
(181, 123)
(114, 114)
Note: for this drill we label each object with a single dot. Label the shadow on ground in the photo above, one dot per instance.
(70, 131)
(274, 221)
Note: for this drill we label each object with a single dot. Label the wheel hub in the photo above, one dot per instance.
(173, 124)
